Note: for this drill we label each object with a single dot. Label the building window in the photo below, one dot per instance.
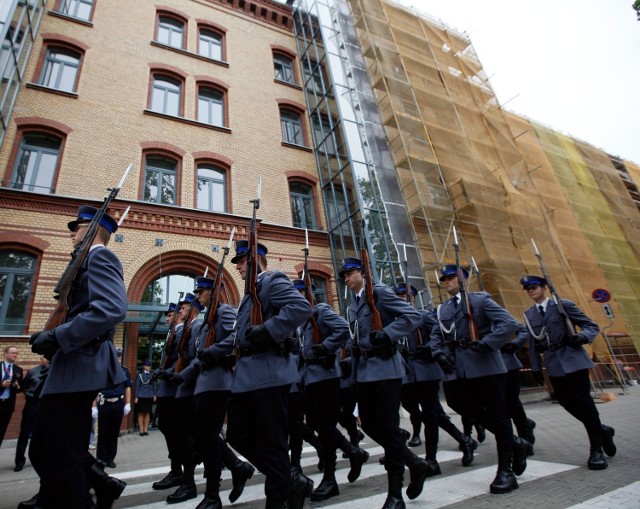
(166, 96)
(283, 68)
(60, 69)
(80, 9)
(212, 190)
(36, 163)
(302, 206)
(210, 44)
(16, 276)
(291, 124)
(9, 53)
(316, 79)
(170, 32)
(320, 293)
(323, 136)
(160, 180)
(210, 106)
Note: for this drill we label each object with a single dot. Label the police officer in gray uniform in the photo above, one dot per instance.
(166, 401)
(567, 362)
(480, 370)
(322, 391)
(189, 309)
(83, 361)
(377, 372)
(257, 414)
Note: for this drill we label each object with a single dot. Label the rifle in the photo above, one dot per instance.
(214, 299)
(477, 272)
(186, 335)
(554, 295)
(439, 287)
(464, 295)
(376, 319)
(171, 335)
(251, 278)
(316, 335)
(407, 295)
(78, 258)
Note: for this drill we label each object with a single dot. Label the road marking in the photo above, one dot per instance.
(627, 497)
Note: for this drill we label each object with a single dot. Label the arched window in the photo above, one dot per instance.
(212, 188)
(17, 269)
(320, 293)
(36, 163)
(170, 32)
(81, 9)
(291, 124)
(210, 44)
(167, 289)
(60, 69)
(211, 106)
(166, 95)
(160, 180)
(283, 66)
(302, 206)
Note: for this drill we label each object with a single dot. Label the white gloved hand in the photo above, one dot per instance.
(94, 412)
(127, 409)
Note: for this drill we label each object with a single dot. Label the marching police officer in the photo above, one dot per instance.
(479, 368)
(257, 414)
(566, 361)
(378, 371)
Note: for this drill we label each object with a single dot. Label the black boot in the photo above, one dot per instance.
(328, 486)
(172, 479)
(419, 470)
(505, 480)
(520, 452)
(312, 439)
(32, 503)
(608, 446)
(430, 457)
(357, 458)
(107, 489)
(187, 489)
(394, 496)
(415, 438)
(241, 472)
(211, 495)
(528, 435)
(467, 446)
(596, 459)
(299, 490)
(482, 434)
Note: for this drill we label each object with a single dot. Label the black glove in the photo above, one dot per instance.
(320, 351)
(345, 367)
(161, 374)
(537, 377)
(379, 338)
(44, 343)
(206, 357)
(259, 337)
(576, 339)
(175, 379)
(509, 347)
(447, 366)
(479, 347)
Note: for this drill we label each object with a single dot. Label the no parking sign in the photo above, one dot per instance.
(601, 295)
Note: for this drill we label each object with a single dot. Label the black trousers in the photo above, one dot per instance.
(257, 427)
(109, 421)
(186, 434)
(426, 394)
(409, 401)
(210, 409)
(322, 407)
(483, 400)
(514, 405)
(346, 419)
(29, 413)
(574, 394)
(167, 424)
(379, 407)
(5, 416)
(58, 449)
(296, 425)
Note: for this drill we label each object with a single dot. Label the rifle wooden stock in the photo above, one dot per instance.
(464, 295)
(168, 346)
(186, 337)
(251, 279)
(214, 301)
(315, 329)
(376, 319)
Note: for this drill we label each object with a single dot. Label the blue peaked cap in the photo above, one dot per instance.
(242, 248)
(529, 280)
(86, 213)
(172, 308)
(350, 264)
(401, 289)
(452, 270)
(299, 284)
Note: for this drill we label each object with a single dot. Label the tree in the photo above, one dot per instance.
(636, 7)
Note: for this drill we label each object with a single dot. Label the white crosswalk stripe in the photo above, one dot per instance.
(627, 497)
(450, 489)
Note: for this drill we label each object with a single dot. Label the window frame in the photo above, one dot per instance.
(36, 255)
(60, 8)
(64, 49)
(172, 79)
(301, 197)
(210, 165)
(218, 31)
(169, 157)
(291, 61)
(200, 87)
(169, 16)
(291, 121)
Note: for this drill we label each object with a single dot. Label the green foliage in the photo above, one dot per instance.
(636, 7)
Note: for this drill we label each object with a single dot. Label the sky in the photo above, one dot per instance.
(572, 65)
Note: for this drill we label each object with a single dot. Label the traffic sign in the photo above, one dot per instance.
(601, 295)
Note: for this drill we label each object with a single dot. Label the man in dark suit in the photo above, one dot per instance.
(377, 371)
(480, 370)
(258, 408)
(566, 361)
(12, 383)
(83, 361)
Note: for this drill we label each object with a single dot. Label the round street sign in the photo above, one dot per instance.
(601, 295)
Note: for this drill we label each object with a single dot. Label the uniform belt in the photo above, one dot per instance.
(113, 400)
(328, 361)
(281, 349)
(370, 353)
(551, 347)
(422, 355)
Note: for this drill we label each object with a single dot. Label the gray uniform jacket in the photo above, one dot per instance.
(145, 388)
(334, 331)
(186, 389)
(166, 389)
(495, 327)
(511, 360)
(567, 359)
(216, 377)
(424, 370)
(97, 303)
(283, 310)
(398, 318)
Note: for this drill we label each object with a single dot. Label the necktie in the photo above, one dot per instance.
(357, 299)
(455, 302)
(541, 309)
(6, 372)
